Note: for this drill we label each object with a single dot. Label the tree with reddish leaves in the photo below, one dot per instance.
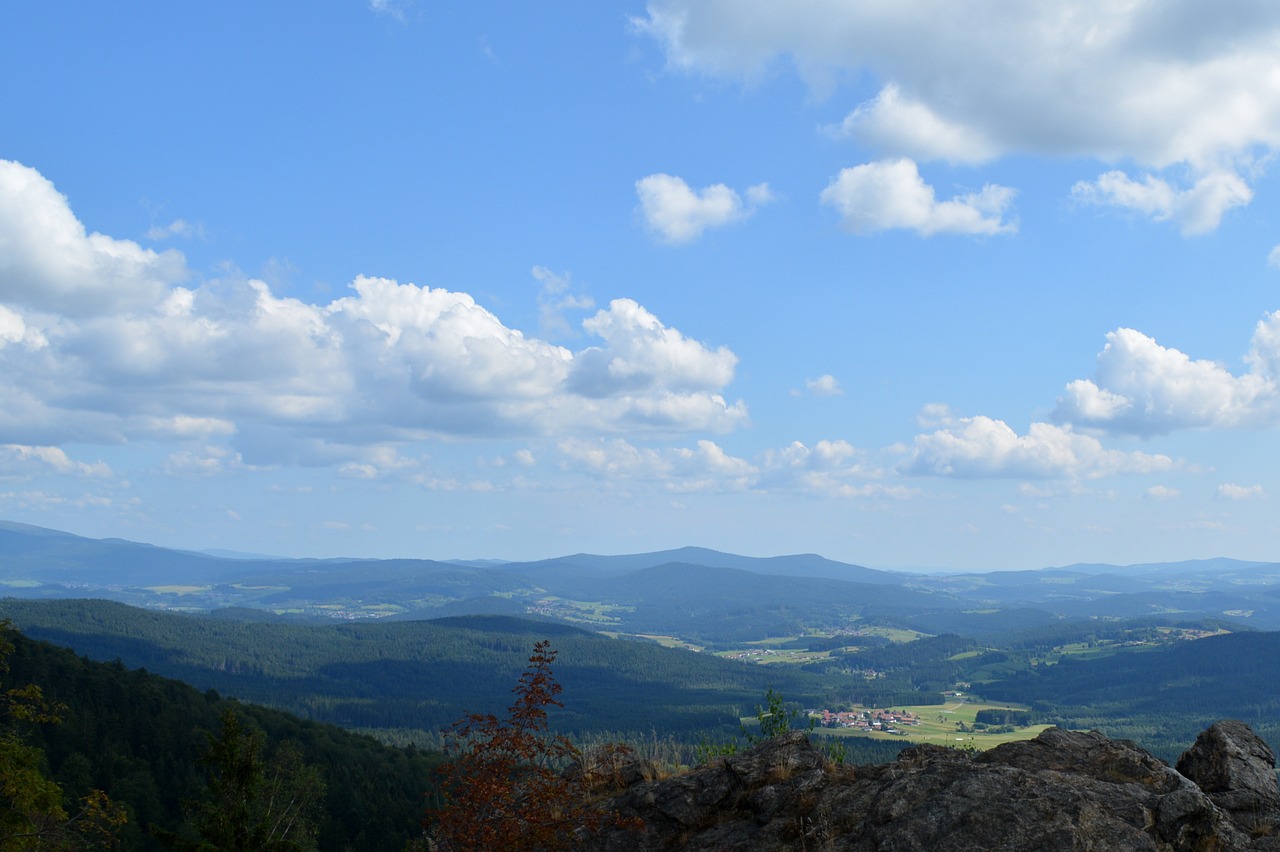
(504, 788)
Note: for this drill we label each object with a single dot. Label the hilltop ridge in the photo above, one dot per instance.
(721, 596)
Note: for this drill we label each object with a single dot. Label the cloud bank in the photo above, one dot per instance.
(828, 468)
(1166, 84)
(981, 447)
(102, 341)
(1143, 388)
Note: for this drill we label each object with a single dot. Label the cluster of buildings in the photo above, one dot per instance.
(887, 721)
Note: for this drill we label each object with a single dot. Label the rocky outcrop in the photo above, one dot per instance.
(1235, 768)
(1063, 790)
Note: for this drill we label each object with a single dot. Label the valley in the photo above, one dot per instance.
(684, 655)
(404, 647)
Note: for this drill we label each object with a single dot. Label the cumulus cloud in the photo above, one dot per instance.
(21, 460)
(49, 263)
(1198, 209)
(704, 467)
(1228, 491)
(825, 385)
(207, 461)
(641, 353)
(979, 447)
(891, 194)
(1162, 84)
(676, 213)
(829, 468)
(100, 342)
(377, 462)
(1143, 388)
(892, 122)
(1162, 492)
(14, 329)
(176, 228)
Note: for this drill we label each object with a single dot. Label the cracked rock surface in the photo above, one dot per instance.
(1063, 790)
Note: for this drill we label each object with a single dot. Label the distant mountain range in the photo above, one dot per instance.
(691, 591)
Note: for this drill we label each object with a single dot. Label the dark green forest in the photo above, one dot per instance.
(146, 740)
(422, 675)
(1159, 696)
(140, 738)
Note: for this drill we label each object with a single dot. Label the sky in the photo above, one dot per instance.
(932, 284)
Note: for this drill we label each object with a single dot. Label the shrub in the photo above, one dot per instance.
(504, 788)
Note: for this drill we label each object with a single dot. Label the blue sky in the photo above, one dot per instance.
(970, 285)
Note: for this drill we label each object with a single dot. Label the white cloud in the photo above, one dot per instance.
(642, 353)
(1161, 83)
(14, 329)
(759, 195)
(554, 301)
(979, 447)
(1273, 257)
(829, 468)
(825, 385)
(377, 462)
(23, 460)
(1198, 209)
(1143, 388)
(934, 414)
(704, 467)
(49, 263)
(1228, 491)
(176, 228)
(182, 426)
(891, 122)
(891, 194)
(112, 350)
(1162, 492)
(397, 10)
(208, 461)
(678, 214)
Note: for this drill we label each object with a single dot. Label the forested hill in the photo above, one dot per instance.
(702, 596)
(419, 675)
(140, 737)
(1159, 696)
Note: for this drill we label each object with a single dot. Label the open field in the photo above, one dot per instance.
(795, 650)
(939, 724)
(770, 656)
(664, 641)
(589, 613)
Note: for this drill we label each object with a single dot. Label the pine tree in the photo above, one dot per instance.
(33, 814)
(253, 805)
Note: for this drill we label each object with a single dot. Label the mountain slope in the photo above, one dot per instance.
(417, 675)
(139, 737)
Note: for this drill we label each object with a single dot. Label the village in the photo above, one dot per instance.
(884, 721)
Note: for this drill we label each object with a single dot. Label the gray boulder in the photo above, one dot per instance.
(1063, 790)
(1236, 769)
